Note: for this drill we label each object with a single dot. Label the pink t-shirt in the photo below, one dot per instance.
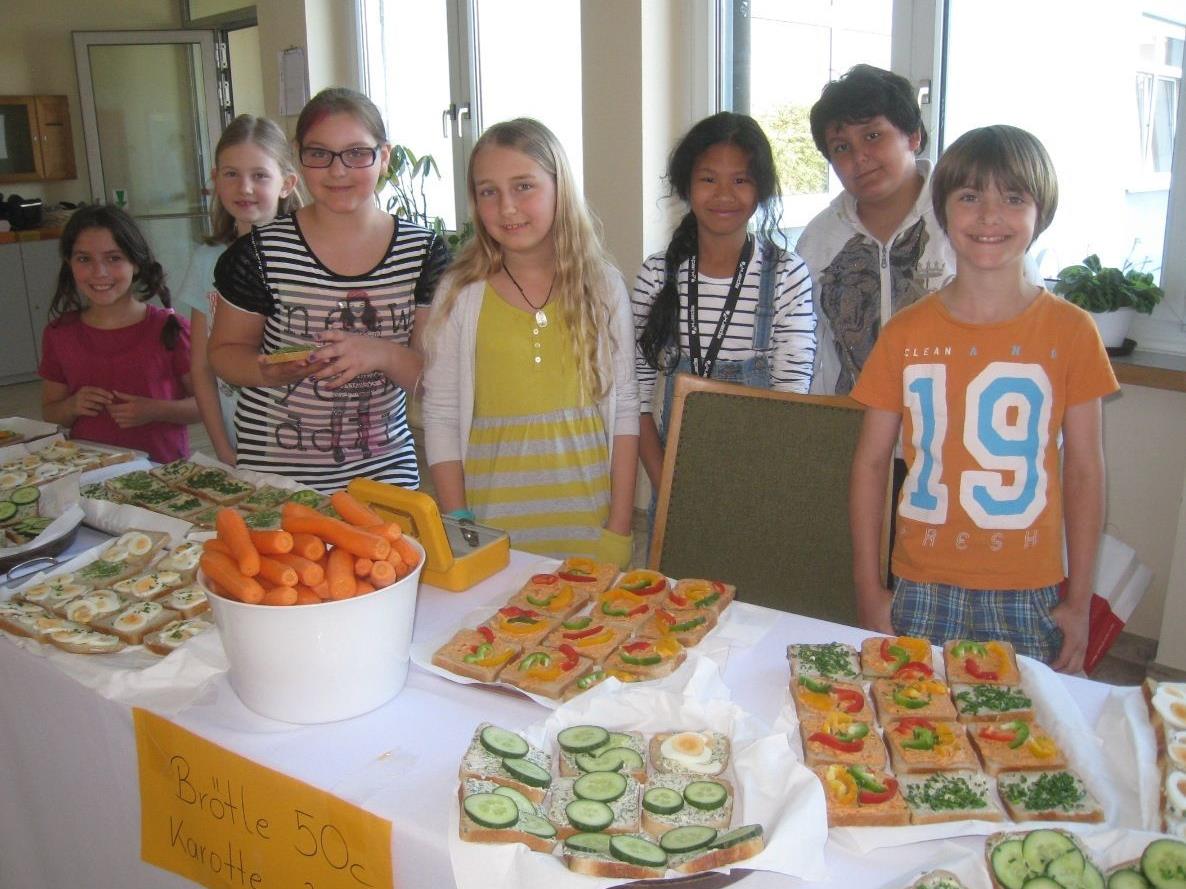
(129, 359)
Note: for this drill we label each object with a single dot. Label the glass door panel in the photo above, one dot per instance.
(149, 138)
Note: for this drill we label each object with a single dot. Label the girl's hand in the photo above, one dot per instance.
(90, 401)
(1074, 622)
(346, 355)
(131, 410)
(278, 375)
(873, 609)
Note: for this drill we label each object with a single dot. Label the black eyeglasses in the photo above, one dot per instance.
(354, 158)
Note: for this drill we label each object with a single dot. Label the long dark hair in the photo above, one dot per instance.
(149, 280)
(726, 128)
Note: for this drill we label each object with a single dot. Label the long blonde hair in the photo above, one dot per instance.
(267, 135)
(581, 291)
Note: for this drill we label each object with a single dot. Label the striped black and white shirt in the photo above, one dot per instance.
(792, 335)
(320, 438)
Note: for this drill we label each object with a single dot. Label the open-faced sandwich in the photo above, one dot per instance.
(591, 638)
(1016, 859)
(857, 796)
(919, 746)
(1057, 795)
(819, 697)
(1015, 746)
(829, 660)
(886, 655)
(925, 697)
(688, 625)
(937, 879)
(839, 737)
(950, 796)
(596, 802)
(546, 671)
(592, 748)
(648, 658)
(493, 813)
(679, 800)
(592, 577)
(970, 662)
(1166, 703)
(551, 596)
(505, 758)
(476, 653)
(689, 753)
(714, 595)
(991, 703)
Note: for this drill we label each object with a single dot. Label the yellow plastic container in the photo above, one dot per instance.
(458, 555)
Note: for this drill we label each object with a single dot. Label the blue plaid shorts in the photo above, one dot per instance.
(939, 612)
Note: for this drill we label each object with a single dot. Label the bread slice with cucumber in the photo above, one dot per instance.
(672, 801)
(504, 757)
(617, 856)
(1040, 859)
(726, 848)
(492, 813)
(598, 802)
(593, 748)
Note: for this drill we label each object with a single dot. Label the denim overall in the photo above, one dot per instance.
(753, 371)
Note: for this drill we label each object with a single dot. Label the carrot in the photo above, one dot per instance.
(269, 543)
(280, 595)
(302, 520)
(224, 572)
(391, 530)
(278, 573)
(214, 545)
(362, 567)
(407, 552)
(353, 511)
(321, 589)
(309, 573)
(233, 531)
(306, 596)
(308, 546)
(362, 587)
(382, 574)
(339, 573)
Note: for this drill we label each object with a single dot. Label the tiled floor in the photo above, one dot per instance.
(1126, 664)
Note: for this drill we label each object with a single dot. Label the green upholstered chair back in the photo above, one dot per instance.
(755, 493)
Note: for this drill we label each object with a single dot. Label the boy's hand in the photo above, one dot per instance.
(89, 401)
(873, 609)
(1073, 621)
(131, 410)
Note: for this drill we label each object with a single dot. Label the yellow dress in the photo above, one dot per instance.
(537, 460)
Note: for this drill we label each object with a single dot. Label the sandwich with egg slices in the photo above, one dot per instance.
(1166, 702)
(690, 753)
(136, 621)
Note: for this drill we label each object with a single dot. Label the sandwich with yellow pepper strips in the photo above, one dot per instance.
(816, 696)
(546, 671)
(1015, 746)
(990, 663)
(858, 796)
(551, 596)
(594, 639)
(699, 593)
(476, 653)
(902, 696)
(885, 655)
(592, 577)
(647, 658)
(840, 737)
(919, 745)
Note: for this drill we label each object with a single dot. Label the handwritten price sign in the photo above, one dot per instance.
(223, 821)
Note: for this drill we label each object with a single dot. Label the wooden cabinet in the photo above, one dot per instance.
(29, 272)
(38, 140)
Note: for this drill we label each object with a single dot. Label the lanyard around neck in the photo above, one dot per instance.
(702, 366)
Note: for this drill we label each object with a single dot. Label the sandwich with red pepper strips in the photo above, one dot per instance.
(549, 595)
(923, 696)
(857, 796)
(918, 745)
(883, 656)
(688, 625)
(476, 653)
(714, 595)
(819, 697)
(592, 577)
(1015, 746)
(989, 663)
(525, 626)
(839, 737)
(648, 658)
(546, 671)
(594, 639)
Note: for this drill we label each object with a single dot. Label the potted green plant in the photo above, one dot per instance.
(407, 173)
(1113, 296)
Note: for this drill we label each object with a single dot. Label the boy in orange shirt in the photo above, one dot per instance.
(982, 379)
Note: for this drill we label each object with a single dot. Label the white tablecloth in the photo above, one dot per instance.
(69, 801)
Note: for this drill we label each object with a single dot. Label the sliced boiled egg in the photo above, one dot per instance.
(1176, 749)
(136, 543)
(1173, 690)
(48, 470)
(1171, 707)
(13, 478)
(115, 553)
(1175, 792)
(130, 620)
(692, 750)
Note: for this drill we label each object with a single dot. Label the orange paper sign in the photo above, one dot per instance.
(224, 821)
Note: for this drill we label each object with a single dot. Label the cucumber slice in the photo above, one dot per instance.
(589, 815)
(1040, 847)
(687, 839)
(662, 801)
(527, 772)
(737, 836)
(1067, 869)
(636, 850)
(26, 495)
(1040, 883)
(1128, 878)
(582, 738)
(1092, 878)
(615, 759)
(1009, 865)
(604, 787)
(524, 804)
(706, 795)
(536, 826)
(618, 739)
(500, 742)
(7, 510)
(595, 843)
(491, 810)
(1164, 864)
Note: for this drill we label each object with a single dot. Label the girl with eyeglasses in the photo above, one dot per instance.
(324, 311)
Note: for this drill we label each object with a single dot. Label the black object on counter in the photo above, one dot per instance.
(22, 213)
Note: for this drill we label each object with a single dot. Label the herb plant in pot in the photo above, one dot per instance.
(1113, 296)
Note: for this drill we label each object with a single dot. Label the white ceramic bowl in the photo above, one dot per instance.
(319, 663)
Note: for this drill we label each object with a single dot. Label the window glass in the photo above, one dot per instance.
(1101, 92)
(793, 48)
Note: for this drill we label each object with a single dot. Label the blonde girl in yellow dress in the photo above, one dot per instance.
(530, 404)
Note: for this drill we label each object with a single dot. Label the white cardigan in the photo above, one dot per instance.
(448, 406)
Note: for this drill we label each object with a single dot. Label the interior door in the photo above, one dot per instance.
(150, 110)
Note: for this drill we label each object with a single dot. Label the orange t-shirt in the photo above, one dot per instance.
(982, 409)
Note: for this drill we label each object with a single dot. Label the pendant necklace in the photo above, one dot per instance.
(541, 318)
